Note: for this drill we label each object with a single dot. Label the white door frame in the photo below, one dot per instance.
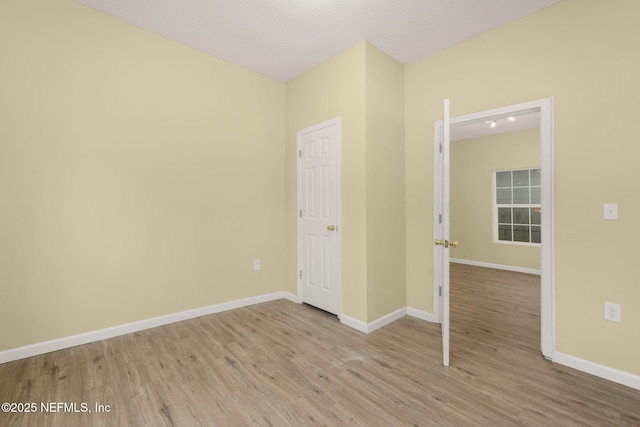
(336, 122)
(547, 278)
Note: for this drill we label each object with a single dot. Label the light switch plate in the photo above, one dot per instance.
(611, 211)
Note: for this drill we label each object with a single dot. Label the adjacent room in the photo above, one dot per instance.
(165, 207)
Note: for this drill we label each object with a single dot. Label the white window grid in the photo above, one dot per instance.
(514, 232)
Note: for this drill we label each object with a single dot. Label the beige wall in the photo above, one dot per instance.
(584, 53)
(386, 262)
(138, 177)
(128, 168)
(364, 87)
(473, 162)
(335, 88)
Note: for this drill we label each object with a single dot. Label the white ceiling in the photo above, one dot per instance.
(284, 38)
(481, 128)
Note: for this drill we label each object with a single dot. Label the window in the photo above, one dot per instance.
(517, 206)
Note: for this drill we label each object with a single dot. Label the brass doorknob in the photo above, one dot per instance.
(331, 227)
(446, 243)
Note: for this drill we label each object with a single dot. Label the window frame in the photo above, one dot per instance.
(496, 207)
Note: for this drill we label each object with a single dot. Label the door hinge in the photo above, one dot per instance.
(301, 274)
(441, 147)
(440, 291)
(299, 154)
(300, 213)
(440, 219)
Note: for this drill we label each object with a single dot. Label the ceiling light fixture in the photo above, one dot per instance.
(493, 124)
(511, 119)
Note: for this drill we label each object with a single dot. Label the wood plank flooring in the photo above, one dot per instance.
(284, 364)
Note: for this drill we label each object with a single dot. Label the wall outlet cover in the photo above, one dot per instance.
(612, 312)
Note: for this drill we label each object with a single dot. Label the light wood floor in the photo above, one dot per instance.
(284, 364)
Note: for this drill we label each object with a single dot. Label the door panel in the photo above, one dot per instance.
(441, 228)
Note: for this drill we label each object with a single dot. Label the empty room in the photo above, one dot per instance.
(262, 213)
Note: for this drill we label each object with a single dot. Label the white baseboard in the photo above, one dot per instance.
(356, 324)
(88, 337)
(497, 266)
(421, 314)
(289, 296)
(376, 324)
(611, 374)
(385, 320)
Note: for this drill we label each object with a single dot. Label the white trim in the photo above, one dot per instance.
(127, 328)
(286, 295)
(356, 324)
(421, 314)
(386, 319)
(611, 374)
(497, 266)
(505, 242)
(376, 324)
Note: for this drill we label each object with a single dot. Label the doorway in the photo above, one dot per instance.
(545, 109)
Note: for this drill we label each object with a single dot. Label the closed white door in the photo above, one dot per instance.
(318, 219)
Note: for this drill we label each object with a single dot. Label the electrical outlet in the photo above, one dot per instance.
(256, 264)
(612, 312)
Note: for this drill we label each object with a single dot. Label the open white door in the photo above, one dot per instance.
(441, 227)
